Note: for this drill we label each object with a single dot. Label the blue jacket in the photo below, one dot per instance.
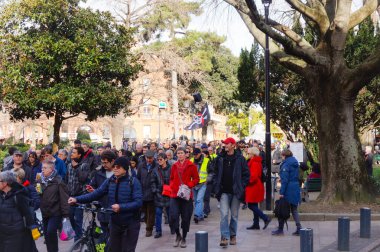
(290, 186)
(129, 197)
(60, 166)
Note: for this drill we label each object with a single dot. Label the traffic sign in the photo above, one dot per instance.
(162, 105)
(278, 135)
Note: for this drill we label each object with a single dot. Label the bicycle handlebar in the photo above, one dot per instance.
(97, 209)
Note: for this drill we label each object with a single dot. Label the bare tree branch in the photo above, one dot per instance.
(296, 65)
(309, 55)
(367, 9)
(317, 14)
(364, 73)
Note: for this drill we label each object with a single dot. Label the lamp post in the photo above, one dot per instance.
(268, 161)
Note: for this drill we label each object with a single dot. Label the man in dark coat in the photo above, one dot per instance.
(104, 172)
(76, 179)
(160, 177)
(231, 178)
(18, 163)
(144, 173)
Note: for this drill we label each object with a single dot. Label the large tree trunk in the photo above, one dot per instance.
(344, 178)
(57, 127)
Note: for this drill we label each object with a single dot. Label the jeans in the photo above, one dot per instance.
(76, 221)
(124, 238)
(296, 217)
(198, 198)
(257, 214)
(149, 209)
(206, 199)
(51, 226)
(229, 202)
(158, 223)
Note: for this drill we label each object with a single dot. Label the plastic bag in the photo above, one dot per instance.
(67, 232)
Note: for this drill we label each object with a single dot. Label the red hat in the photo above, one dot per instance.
(229, 140)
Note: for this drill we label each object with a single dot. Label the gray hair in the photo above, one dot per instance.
(170, 152)
(254, 150)
(50, 163)
(8, 177)
(63, 151)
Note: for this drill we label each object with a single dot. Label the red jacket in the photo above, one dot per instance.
(190, 177)
(254, 192)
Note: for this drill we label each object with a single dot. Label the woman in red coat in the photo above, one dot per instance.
(254, 192)
(182, 172)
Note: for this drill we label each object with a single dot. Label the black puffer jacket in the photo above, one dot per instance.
(145, 177)
(158, 179)
(54, 198)
(16, 221)
(98, 179)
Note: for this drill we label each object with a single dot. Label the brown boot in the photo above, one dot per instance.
(148, 234)
(224, 242)
(233, 240)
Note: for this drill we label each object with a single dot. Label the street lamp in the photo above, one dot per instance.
(268, 161)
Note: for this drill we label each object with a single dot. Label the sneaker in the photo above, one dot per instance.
(157, 235)
(205, 216)
(196, 220)
(267, 223)
(233, 240)
(148, 233)
(278, 232)
(177, 241)
(245, 206)
(183, 243)
(253, 227)
(223, 242)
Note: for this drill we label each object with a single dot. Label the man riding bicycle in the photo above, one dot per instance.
(125, 199)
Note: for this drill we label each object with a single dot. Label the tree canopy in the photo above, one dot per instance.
(60, 60)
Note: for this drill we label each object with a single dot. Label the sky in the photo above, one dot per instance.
(223, 19)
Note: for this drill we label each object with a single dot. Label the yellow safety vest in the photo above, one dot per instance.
(203, 171)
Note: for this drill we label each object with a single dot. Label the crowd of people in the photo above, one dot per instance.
(147, 183)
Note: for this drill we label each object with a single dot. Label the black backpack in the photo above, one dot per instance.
(282, 210)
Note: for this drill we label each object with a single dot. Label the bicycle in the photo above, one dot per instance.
(87, 243)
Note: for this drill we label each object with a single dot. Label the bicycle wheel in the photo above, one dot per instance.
(82, 245)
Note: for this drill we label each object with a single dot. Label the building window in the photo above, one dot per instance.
(146, 84)
(147, 111)
(146, 131)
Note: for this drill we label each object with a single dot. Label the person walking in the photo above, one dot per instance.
(231, 178)
(104, 172)
(76, 179)
(183, 174)
(254, 192)
(160, 178)
(290, 189)
(144, 174)
(199, 190)
(124, 194)
(16, 219)
(54, 205)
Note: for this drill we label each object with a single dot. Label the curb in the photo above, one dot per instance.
(328, 216)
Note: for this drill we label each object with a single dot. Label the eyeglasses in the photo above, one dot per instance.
(117, 167)
(160, 159)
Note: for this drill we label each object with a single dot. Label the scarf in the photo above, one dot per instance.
(46, 180)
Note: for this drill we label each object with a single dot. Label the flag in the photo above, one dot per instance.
(200, 120)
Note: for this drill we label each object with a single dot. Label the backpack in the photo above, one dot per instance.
(282, 210)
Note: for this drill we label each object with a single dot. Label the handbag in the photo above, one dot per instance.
(184, 191)
(166, 189)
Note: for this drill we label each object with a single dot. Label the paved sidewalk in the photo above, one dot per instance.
(325, 236)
